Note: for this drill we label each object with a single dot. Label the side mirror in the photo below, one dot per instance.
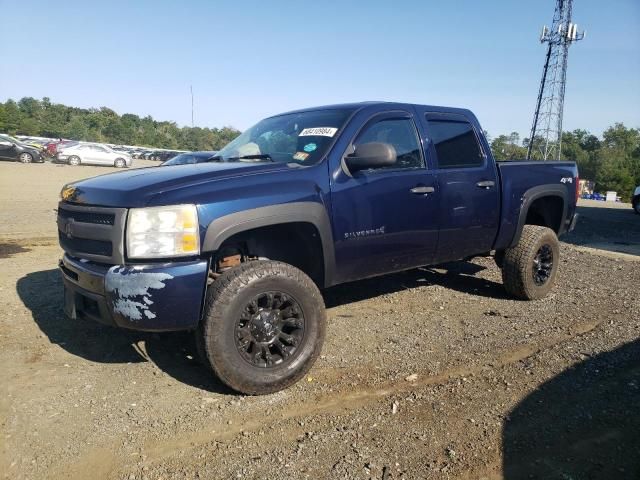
(371, 155)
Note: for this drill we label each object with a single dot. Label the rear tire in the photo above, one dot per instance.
(73, 160)
(119, 163)
(263, 327)
(529, 269)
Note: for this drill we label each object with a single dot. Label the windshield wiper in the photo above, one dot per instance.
(261, 156)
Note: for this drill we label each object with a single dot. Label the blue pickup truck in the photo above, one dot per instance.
(238, 248)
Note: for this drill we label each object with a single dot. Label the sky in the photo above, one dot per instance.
(250, 59)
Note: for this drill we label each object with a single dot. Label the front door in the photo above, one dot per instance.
(385, 219)
(7, 148)
(96, 155)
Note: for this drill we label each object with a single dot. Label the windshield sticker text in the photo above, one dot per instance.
(318, 132)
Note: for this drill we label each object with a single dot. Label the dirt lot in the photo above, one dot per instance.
(433, 373)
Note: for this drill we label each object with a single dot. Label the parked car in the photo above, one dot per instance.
(236, 249)
(166, 155)
(189, 157)
(33, 142)
(635, 201)
(13, 149)
(93, 154)
(52, 148)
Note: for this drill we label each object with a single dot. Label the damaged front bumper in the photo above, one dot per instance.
(160, 297)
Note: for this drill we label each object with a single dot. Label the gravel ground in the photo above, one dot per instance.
(431, 373)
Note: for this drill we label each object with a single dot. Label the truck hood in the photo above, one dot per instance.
(135, 188)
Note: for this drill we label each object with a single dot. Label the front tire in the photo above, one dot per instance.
(74, 161)
(263, 327)
(529, 269)
(25, 157)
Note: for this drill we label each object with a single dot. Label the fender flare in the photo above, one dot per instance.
(533, 194)
(315, 213)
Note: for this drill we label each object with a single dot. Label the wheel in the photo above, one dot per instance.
(119, 163)
(263, 327)
(529, 269)
(25, 157)
(73, 160)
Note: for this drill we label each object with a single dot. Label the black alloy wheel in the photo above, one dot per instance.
(543, 265)
(263, 326)
(270, 329)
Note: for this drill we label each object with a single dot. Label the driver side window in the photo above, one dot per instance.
(401, 134)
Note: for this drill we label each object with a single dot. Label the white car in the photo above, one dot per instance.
(93, 154)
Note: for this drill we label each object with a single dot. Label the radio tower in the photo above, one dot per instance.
(546, 131)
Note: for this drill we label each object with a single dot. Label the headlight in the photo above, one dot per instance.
(161, 232)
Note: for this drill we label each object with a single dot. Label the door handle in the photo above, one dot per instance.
(422, 190)
(487, 184)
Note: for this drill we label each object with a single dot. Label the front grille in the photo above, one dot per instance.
(87, 217)
(92, 233)
(85, 245)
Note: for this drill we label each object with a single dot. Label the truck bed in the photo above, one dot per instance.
(521, 180)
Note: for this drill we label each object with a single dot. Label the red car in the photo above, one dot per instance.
(52, 147)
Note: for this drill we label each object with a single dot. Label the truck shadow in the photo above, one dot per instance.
(459, 276)
(173, 353)
(583, 423)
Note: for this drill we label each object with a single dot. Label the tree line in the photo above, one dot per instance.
(612, 161)
(42, 118)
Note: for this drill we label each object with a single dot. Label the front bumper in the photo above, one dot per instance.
(159, 297)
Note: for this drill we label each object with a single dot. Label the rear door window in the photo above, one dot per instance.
(455, 143)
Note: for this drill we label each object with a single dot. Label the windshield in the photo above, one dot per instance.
(9, 138)
(295, 137)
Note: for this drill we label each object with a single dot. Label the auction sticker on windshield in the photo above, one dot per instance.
(301, 156)
(318, 131)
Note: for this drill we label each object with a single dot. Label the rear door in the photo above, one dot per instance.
(384, 219)
(468, 185)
